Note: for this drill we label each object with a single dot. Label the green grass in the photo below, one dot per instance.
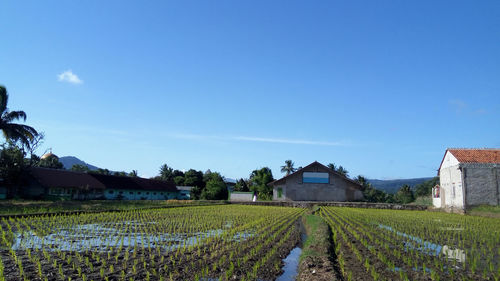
(15, 207)
(317, 242)
(423, 201)
(485, 211)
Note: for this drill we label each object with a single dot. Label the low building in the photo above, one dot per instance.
(184, 192)
(316, 182)
(240, 196)
(61, 184)
(136, 188)
(468, 177)
(44, 183)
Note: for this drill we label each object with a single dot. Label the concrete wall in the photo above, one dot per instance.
(482, 184)
(338, 189)
(241, 196)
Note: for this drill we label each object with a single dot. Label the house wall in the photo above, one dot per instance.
(450, 180)
(338, 189)
(482, 184)
(130, 194)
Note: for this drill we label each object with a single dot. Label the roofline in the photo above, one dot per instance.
(459, 148)
(316, 162)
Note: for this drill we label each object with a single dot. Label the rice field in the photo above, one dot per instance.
(372, 244)
(189, 243)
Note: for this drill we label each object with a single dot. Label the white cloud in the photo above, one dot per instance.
(70, 77)
(254, 139)
(288, 141)
(458, 105)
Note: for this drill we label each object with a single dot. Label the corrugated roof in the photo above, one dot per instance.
(476, 155)
(121, 182)
(63, 178)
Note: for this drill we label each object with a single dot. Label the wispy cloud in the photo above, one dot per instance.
(70, 77)
(255, 139)
(458, 105)
(288, 141)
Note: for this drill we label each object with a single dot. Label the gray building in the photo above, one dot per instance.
(468, 177)
(316, 182)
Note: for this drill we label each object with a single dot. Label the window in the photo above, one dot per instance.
(154, 193)
(110, 192)
(147, 193)
(121, 192)
(131, 193)
(139, 192)
(280, 192)
(312, 177)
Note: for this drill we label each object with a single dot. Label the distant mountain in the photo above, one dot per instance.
(69, 161)
(392, 186)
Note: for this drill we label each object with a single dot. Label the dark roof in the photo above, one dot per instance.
(121, 182)
(63, 178)
(316, 163)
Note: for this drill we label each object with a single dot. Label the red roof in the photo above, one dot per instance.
(482, 155)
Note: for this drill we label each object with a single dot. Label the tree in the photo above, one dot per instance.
(341, 170)
(288, 167)
(80, 168)
(332, 166)
(259, 180)
(362, 181)
(193, 178)
(404, 195)
(12, 131)
(51, 162)
(241, 185)
(11, 166)
(121, 174)
(179, 180)
(34, 145)
(425, 188)
(215, 188)
(166, 173)
(133, 174)
(102, 172)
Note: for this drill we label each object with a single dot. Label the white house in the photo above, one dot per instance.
(468, 177)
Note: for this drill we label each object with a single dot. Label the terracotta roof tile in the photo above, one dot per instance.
(484, 155)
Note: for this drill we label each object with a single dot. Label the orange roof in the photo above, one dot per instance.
(475, 155)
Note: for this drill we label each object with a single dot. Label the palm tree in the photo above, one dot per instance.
(288, 167)
(332, 166)
(341, 170)
(12, 131)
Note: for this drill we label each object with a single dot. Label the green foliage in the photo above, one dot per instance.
(288, 167)
(80, 168)
(101, 171)
(11, 164)
(11, 131)
(341, 170)
(425, 188)
(215, 188)
(404, 195)
(193, 178)
(166, 173)
(241, 185)
(259, 180)
(179, 180)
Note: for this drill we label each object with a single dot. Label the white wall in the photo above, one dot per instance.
(450, 178)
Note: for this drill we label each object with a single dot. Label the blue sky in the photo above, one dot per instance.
(380, 87)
